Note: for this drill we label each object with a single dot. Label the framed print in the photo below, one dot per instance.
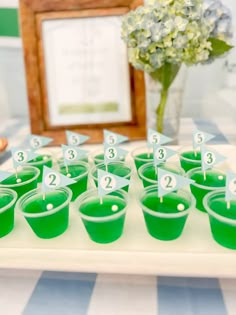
(77, 69)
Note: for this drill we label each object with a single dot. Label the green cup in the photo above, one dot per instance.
(148, 172)
(26, 180)
(77, 171)
(189, 159)
(222, 219)
(103, 218)
(47, 217)
(39, 162)
(116, 168)
(165, 220)
(8, 199)
(215, 179)
(141, 156)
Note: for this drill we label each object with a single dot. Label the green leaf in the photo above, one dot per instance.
(166, 74)
(219, 47)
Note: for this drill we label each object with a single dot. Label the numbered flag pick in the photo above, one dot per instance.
(112, 138)
(4, 175)
(21, 156)
(155, 137)
(161, 154)
(72, 154)
(112, 153)
(168, 182)
(37, 142)
(230, 193)
(200, 137)
(210, 158)
(75, 139)
(108, 182)
(53, 180)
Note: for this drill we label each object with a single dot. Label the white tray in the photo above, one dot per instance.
(195, 253)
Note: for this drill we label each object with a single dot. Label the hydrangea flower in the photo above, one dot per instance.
(163, 34)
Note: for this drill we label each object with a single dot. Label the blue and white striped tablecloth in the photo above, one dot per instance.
(47, 293)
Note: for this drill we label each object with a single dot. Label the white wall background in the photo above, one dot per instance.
(210, 90)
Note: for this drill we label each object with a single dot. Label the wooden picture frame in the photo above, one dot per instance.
(37, 18)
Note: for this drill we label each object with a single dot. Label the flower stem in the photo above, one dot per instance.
(161, 110)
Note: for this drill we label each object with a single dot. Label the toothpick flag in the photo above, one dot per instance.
(200, 137)
(4, 175)
(53, 180)
(112, 138)
(37, 142)
(155, 137)
(210, 158)
(168, 182)
(230, 193)
(161, 154)
(112, 153)
(72, 154)
(75, 139)
(21, 156)
(108, 182)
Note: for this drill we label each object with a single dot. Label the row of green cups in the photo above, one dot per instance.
(104, 220)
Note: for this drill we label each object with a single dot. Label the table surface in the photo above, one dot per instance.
(49, 292)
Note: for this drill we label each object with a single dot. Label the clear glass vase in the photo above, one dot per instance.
(173, 106)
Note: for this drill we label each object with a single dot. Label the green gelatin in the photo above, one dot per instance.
(51, 225)
(7, 216)
(116, 169)
(142, 159)
(99, 158)
(80, 174)
(39, 162)
(104, 231)
(20, 187)
(212, 180)
(190, 160)
(223, 233)
(163, 228)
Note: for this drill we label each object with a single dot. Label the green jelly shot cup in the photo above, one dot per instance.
(77, 171)
(47, 217)
(8, 199)
(165, 220)
(97, 157)
(189, 159)
(39, 162)
(103, 219)
(26, 180)
(141, 156)
(148, 172)
(116, 168)
(222, 220)
(215, 179)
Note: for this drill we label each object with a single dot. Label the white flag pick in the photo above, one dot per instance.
(75, 139)
(112, 138)
(108, 182)
(156, 138)
(200, 138)
(53, 180)
(168, 182)
(22, 156)
(37, 142)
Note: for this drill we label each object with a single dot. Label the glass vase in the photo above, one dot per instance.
(172, 113)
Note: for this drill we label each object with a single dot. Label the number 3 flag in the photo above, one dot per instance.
(53, 180)
(22, 156)
(168, 182)
(108, 182)
(230, 193)
(210, 158)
